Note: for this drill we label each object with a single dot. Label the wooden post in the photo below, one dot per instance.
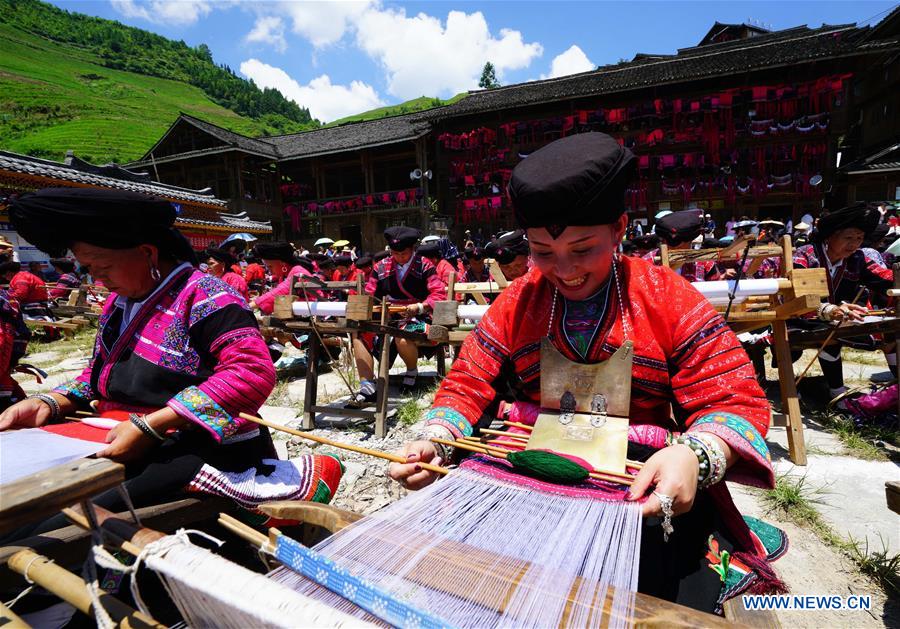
(382, 382)
(789, 400)
(312, 381)
(664, 255)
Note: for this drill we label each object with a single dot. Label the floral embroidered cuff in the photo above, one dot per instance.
(755, 465)
(197, 406)
(76, 390)
(451, 419)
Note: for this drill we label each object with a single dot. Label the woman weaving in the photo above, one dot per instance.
(569, 196)
(177, 357)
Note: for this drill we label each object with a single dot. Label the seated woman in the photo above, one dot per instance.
(177, 358)
(284, 267)
(853, 279)
(404, 279)
(690, 375)
(68, 278)
(219, 263)
(511, 252)
(14, 335)
(29, 290)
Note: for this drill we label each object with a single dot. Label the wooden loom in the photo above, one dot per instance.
(117, 532)
(359, 313)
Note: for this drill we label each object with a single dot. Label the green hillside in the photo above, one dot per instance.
(54, 97)
(417, 104)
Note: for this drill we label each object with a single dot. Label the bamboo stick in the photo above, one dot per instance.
(518, 425)
(611, 477)
(10, 620)
(388, 456)
(504, 433)
(73, 590)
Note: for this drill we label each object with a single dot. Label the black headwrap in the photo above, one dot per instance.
(430, 249)
(222, 256)
(401, 237)
(381, 255)
(861, 216)
(578, 180)
(508, 247)
(63, 264)
(873, 238)
(281, 251)
(53, 219)
(363, 261)
(680, 227)
(470, 253)
(647, 241)
(305, 263)
(342, 260)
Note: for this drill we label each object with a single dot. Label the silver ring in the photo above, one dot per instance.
(665, 503)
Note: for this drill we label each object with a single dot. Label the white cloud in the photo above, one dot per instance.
(325, 100)
(180, 12)
(423, 56)
(572, 61)
(323, 23)
(268, 30)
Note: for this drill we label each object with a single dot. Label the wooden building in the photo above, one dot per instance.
(202, 217)
(748, 122)
(745, 123)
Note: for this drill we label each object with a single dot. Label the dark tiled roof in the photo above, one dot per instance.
(228, 138)
(886, 159)
(778, 49)
(110, 176)
(351, 136)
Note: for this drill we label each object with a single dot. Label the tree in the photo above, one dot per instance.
(488, 77)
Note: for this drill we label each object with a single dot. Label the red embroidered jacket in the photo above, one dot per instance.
(685, 358)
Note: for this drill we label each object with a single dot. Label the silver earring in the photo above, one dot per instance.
(154, 274)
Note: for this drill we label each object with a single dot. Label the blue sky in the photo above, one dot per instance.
(339, 58)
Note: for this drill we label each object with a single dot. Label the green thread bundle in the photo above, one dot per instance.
(548, 466)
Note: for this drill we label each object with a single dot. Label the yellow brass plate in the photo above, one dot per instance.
(605, 448)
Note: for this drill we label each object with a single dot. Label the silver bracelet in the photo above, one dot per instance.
(144, 427)
(717, 463)
(49, 400)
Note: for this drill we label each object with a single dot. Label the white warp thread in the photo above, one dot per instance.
(451, 549)
(210, 591)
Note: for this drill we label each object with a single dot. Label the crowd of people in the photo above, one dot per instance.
(179, 356)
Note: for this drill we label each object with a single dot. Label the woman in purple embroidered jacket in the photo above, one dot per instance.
(177, 357)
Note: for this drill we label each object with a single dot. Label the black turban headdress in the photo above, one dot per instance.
(281, 251)
(363, 261)
(578, 180)
(53, 219)
(401, 237)
(221, 256)
(680, 227)
(508, 247)
(860, 216)
(430, 249)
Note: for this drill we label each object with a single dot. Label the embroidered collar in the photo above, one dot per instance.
(130, 307)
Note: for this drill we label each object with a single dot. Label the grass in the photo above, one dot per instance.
(879, 564)
(417, 104)
(795, 500)
(58, 97)
(409, 412)
(859, 441)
